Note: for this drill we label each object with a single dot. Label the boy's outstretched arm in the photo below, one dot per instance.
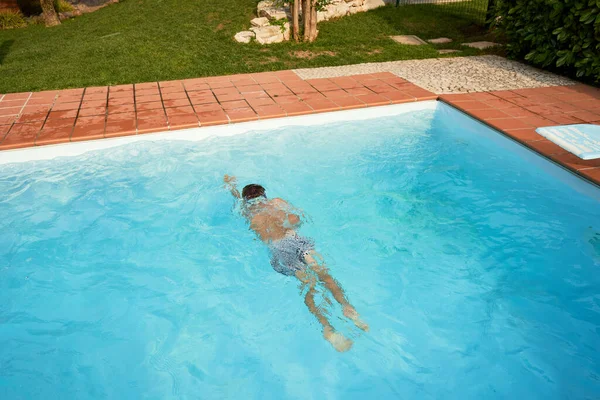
(230, 183)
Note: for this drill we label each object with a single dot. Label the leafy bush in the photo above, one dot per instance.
(563, 34)
(62, 6)
(11, 19)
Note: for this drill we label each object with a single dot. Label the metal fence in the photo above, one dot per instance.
(476, 10)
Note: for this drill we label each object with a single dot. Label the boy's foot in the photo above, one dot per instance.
(351, 314)
(337, 340)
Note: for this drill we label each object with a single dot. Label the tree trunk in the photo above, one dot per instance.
(49, 13)
(313, 21)
(295, 22)
(306, 16)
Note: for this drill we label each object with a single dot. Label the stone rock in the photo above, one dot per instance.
(481, 45)
(441, 40)
(261, 21)
(334, 10)
(268, 34)
(448, 51)
(273, 13)
(263, 5)
(244, 36)
(287, 30)
(372, 4)
(408, 39)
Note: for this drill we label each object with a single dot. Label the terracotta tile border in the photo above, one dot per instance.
(517, 114)
(60, 116)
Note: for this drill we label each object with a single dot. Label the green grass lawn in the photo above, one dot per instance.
(149, 40)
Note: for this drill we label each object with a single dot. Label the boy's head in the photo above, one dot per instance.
(253, 191)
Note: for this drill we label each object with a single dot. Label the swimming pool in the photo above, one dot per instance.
(127, 273)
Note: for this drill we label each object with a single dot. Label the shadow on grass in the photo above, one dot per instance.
(5, 48)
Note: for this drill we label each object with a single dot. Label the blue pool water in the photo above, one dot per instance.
(126, 273)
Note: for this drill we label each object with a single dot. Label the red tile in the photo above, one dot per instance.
(470, 105)
(229, 97)
(121, 88)
(296, 108)
(123, 108)
(94, 104)
(261, 94)
(32, 117)
(537, 122)
(46, 100)
(87, 112)
(214, 117)
(373, 99)
(321, 105)
(146, 92)
(62, 114)
(12, 104)
(146, 85)
(243, 81)
(153, 105)
(346, 82)
(241, 114)
(174, 96)
(57, 131)
(7, 120)
(311, 96)
(20, 135)
(121, 101)
(249, 88)
(35, 108)
(10, 111)
(399, 97)
(120, 125)
(517, 111)
(150, 114)
(332, 94)
(563, 119)
(220, 84)
(421, 94)
(176, 103)
(96, 90)
(192, 85)
(488, 114)
(499, 103)
(16, 96)
(546, 147)
(593, 174)
(230, 105)
(88, 128)
(574, 162)
(202, 99)
(199, 108)
(302, 88)
(3, 131)
(158, 123)
(348, 102)
(359, 91)
(185, 110)
(65, 106)
(260, 101)
(286, 99)
(265, 78)
(586, 116)
(95, 97)
(180, 121)
(524, 135)
(509, 123)
(148, 98)
(323, 84)
(270, 111)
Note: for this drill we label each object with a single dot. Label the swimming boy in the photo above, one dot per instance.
(275, 222)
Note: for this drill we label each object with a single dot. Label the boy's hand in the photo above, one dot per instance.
(231, 180)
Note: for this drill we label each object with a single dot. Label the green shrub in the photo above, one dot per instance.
(562, 34)
(11, 19)
(62, 6)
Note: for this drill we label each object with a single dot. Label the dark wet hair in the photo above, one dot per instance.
(253, 191)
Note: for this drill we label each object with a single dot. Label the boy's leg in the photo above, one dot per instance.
(334, 287)
(339, 342)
